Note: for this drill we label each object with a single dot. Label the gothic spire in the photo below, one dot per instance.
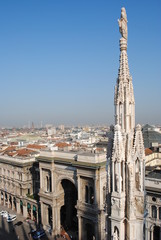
(124, 95)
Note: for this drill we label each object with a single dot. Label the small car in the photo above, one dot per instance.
(11, 218)
(4, 213)
(38, 234)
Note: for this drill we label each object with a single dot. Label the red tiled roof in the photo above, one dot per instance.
(148, 151)
(24, 152)
(62, 144)
(9, 149)
(36, 146)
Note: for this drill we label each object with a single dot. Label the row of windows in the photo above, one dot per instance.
(11, 173)
(154, 212)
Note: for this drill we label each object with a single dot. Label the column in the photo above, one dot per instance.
(58, 218)
(113, 177)
(141, 176)
(119, 177)
(79, 227)
(4, 199)
(42, 213)
(79, 188)
(18, 205)
(151, 234)
(157, 213)
(52, 181)
(53, 217)
(37, 215)
(12, 203)
(96, 190)
(41, 179)
(123, 170)
(31, 212)
(147, 234)
(25, 209)
(8, 202)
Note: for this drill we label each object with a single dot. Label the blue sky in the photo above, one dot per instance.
(59, 60)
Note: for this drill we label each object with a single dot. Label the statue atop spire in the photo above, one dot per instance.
(123, 23)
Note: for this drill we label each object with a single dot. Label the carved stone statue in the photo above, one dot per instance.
(117, 182)
(123, 23)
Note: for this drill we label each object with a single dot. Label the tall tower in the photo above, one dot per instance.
(126, 165)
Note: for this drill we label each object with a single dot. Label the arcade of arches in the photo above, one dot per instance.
(28, 208)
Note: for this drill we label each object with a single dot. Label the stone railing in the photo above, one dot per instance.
(153, 159)
(152, 183)
(76, 156)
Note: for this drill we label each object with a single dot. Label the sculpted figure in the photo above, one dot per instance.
(123, 23)
(117, 183)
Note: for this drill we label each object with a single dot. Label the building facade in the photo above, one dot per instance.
(152, 226)
(73, 193)
(17, 182)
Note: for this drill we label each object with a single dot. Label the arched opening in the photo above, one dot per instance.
(68, 212)
(21, 207)
(34, 213)
(116, 233)
(29, 210)
(137, 173)
(50, 220)
(156, 233)
(14, 203)
(10, 201)
(115, 177)
(89, 229)
(2, 198)
(6, 198)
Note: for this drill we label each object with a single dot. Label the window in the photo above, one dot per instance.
(160, 213)
(47, 184)
(86, 194)
(154, 212)
(91, 195)
(153, 199)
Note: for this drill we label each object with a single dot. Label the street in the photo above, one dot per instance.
(19, 229)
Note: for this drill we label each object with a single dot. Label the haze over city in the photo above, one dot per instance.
(59, 61)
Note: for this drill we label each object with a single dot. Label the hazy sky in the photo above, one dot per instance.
(59, 60)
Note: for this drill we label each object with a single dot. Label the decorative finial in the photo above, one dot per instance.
(123, 23)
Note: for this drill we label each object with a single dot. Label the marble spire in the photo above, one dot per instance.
(124, 94)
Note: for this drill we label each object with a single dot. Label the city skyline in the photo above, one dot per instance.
(59, 61)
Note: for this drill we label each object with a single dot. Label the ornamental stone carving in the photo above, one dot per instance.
(123, 23)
